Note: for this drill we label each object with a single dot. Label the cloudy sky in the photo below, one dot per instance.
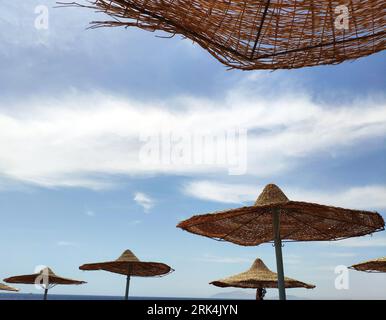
(82, 112)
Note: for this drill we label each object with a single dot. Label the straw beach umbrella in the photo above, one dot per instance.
(274, 217)
(259, 34)
(258, 277)
(4, 287)
(129, 265)
(46, 278)
(375, 265)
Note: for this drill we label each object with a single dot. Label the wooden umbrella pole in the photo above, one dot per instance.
(279, 255)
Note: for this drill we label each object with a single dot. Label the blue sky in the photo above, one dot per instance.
(73, 105)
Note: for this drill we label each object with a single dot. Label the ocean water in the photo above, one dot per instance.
(34, 296)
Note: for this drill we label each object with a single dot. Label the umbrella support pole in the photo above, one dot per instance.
(279, 255)
(45, 294)
(127, 287)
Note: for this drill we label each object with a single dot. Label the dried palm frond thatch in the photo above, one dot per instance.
(45, 278)
(259, 34)
(258, 276)
(7, 288)
(299, 221)
(375, 265)
(129, 265)
(274, 217)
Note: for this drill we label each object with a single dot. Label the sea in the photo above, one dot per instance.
(34, 296)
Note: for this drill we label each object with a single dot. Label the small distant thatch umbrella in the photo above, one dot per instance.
(259, 34)
(259, 277)
(129, 265)
(375, 265)
(7, 288)
(46, 279)
(274, 217)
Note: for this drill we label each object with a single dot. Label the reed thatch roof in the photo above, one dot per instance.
(299, 221)
(259, 34)
(375, 265)
(7, 288)
(46, 278)
(258, 276)
(129, 264)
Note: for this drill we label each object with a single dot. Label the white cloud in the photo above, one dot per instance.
(221, 192)
(217, 259)
(66, 244)
(78, 140)
(326, 268)
(135, 222)
(90, 213)
(362, 242)
(341, 254)
(363, 197)
(292, 259)
(144, 200)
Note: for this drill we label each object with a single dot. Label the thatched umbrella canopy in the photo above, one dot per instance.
(259, 277)
(46, 278)
(129, 265)
(4, 287)
(375, 265)
(274, 217)
(259, 34)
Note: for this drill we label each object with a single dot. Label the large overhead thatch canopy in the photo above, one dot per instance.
(274, 217)
(299, 221)
(260, 34)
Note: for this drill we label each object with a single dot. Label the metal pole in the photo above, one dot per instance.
(127, 287)
(279, 256)
(45, 294)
